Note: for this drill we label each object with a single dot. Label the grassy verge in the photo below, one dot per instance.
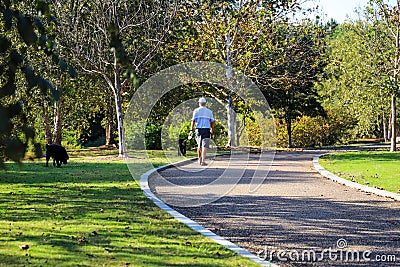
(92, 213)
(379, 169)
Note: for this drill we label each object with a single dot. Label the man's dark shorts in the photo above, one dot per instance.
(203, 136)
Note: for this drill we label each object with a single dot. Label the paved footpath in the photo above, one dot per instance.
(295, 212)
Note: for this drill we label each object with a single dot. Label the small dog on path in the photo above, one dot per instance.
(58, 153)
(181, 147)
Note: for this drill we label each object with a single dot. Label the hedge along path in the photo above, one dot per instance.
(296, 208)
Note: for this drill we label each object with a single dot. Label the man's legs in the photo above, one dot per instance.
(203, 141)
(199, 154)
(203, 154)
(199, 146)
(204, 145)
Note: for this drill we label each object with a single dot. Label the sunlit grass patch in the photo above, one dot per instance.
(379, 169)
(91, 212)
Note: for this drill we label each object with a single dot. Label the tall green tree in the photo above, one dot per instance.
(362, 76)
(25, 27)
(381, 12)
(115, 40)
(236, 33)
(358, 90)
(288, 74)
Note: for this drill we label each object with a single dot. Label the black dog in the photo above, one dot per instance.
(181, 147)
(58, 153)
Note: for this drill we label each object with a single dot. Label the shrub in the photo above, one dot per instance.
(153, 137)
(316, 131)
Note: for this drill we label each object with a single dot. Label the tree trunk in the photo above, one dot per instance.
(289, 117)
(57, 134)
(384, 125)
(289, 131)
(46, 124)
(118, 107)
(237, 131)
(120, 122)
(395, 80)
(231, 123)
(116, 89)
(110, 125)
(109, 133)
(393, 125)
(229, 107)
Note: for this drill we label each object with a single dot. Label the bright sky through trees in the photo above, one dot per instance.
(340, 10)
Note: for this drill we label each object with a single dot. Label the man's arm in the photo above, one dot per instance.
(212, 127)
(192, 125)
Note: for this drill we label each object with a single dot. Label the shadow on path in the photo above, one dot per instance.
(296, 209)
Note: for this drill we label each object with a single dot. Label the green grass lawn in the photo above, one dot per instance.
(379, 169)
(92, 213)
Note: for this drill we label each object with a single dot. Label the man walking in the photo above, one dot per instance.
(203, 119)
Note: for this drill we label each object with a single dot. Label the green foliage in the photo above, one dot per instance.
(250, 130)
(219, 137)
(26, 45)
(295, 63)
(297, 66)
(316, 131)
(15, 131)
(184, 134)
(153, 136)
(251, 133)
(353, 83)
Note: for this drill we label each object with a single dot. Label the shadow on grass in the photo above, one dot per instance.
(90, 214)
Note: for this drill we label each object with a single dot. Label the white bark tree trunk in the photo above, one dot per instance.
(229, 106)
(120, 124)
(393, 147)
(57, 133)
(116, 87)
(231, 123)
(118, 108)
(237, 130)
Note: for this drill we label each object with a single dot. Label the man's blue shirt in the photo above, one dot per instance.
(203, 117)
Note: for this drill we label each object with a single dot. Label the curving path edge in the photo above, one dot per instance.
(144, 185)
(351, 184)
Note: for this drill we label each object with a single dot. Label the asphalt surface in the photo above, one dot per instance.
(295, 218)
